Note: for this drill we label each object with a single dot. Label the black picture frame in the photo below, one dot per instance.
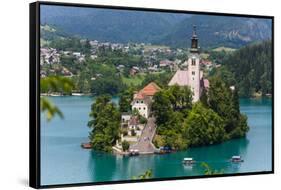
(34, 93)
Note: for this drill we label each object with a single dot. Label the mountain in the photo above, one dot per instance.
(158, 28)
(215, 31)
(49, 33)
(110, 25)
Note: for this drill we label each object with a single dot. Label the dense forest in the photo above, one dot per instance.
(249, 69)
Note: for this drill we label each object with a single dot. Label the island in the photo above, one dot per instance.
(188, 111)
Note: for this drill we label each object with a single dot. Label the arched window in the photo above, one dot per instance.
(193, 72)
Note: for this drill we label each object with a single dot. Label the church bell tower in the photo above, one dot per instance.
(194, 67)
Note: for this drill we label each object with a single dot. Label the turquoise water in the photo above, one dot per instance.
(63, 161)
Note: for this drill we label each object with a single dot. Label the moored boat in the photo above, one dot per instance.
(236, 159)
(86, 145)
(134, 152)
(188, 161)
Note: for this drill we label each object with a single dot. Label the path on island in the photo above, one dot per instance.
(144, 144)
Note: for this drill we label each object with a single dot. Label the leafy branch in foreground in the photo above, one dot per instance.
(53, 84)
(209, 170)
(56, 84)
(49, 108)
(146, 175)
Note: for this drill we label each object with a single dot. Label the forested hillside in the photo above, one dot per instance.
(249, 68)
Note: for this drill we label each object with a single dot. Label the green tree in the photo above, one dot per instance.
(180, 97)
(125, 145)
(204, 98)
(105, 124)
(161, 107)
(125, 100)
(203, 126)
(220, 100)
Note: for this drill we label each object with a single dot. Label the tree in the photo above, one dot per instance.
(225, 103)
(180, 97)
(171, 105)
(105, 124)
(125, 145)
(161, 107)
(126, 98)
(203, 127)
(220, 100)
(142, 119)
(204, 98)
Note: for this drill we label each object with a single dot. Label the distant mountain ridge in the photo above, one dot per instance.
(215, 31)
(157, 28)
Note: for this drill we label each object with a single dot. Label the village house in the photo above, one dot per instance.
(134, 70)
(206, 63)
(192, 76)
(165, 63)
(49, 56)
(143, 99)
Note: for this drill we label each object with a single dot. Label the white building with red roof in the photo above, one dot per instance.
(193, 76)
(142, 99)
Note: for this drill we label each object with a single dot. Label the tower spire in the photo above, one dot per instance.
(194, 35)
(194, 41)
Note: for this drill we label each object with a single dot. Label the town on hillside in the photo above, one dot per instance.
(136, 61)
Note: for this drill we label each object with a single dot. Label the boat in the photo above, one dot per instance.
(163, 150)
(236, 159)
(188, 161)
(86, 145)
(77, 94)
(134, 152)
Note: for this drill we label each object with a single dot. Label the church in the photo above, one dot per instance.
(193, 75)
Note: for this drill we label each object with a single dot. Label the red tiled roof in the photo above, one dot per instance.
(139, 96)
(150, 89)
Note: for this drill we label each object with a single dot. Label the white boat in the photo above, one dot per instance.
(77, 94)
(188, 161)
(236, 159)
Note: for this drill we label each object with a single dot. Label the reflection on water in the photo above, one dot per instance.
(63, 161)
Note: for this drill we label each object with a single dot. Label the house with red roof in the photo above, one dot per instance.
(143, 99)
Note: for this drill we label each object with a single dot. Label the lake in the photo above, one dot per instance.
(63, 161)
